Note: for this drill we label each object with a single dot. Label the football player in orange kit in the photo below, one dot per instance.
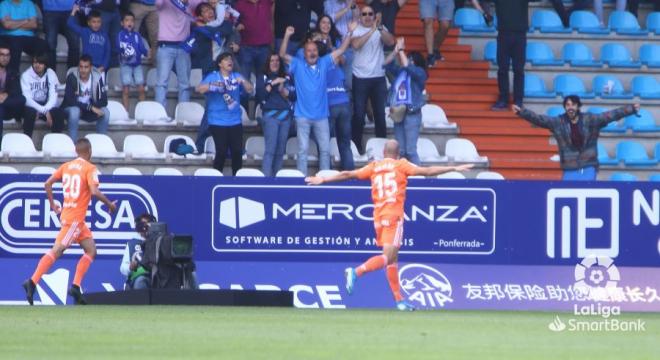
(389, 178)
(79, 182)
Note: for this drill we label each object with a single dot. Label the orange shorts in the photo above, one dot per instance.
(74, 232)
(389, 231)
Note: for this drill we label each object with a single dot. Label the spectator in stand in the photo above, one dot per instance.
(39, 87)
(512, 25)
(131, 51)
(173, 29)
(145, 10)
(342, 13)
(12, 101)
(255, 26)
(276, 97)
(95, 42)
(340, 112)
(222, 89)
(368, 73)
(85, 98)
(633, 6)
(311, 109)
(429, 11)
(110, 26)
(19, 20)
(55, 16)
(407, 93)
(328, 34)
(297, 14)
(565, 14)
(388, 10)
(576, 134)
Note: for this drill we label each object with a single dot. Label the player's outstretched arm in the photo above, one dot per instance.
(112, 205)
(437, 170)
(344, 175)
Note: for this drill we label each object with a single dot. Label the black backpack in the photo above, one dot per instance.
(179, 146)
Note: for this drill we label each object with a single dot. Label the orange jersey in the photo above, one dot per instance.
(77, 176)
(389, 178)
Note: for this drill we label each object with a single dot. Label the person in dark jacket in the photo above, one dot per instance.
(512, 26)
(407, 90)
(12, 101)
(576, 134)
(85, 98)
(276, 96)
(95, 42)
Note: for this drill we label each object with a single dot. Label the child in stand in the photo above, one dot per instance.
(95, 42)
(131, 51)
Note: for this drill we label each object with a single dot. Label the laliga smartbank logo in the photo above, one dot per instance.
(596, 277)
(29, 226)
(425, 286)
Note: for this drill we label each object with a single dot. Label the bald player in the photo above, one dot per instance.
(389, 178)
(79, 182)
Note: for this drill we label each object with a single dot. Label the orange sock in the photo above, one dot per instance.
(81, 268)
(393, 279)
(44, 264)
(374, 263)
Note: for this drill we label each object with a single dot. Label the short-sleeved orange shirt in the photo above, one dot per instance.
(77, 177)
(389, 178)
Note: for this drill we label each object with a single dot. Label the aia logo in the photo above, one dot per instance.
(425, 286)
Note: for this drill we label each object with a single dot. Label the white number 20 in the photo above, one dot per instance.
(385, 184)
(71, 186)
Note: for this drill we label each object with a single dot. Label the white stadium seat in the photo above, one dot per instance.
(255, 147)
(152, 79)
(327, 173)
(374, 148)
(451, 175)
(209, 145)
(489, 175)
(189, 113)
(58, 145)
(462, 150)
(118, 114)
(290, 173)
(126, 171)
(189, 141)
(434, 117)
(207, 172)
(152, 113)
(113, 79)
(42, 170)
(19, 145)
(245, 119)
(334, 151)
(8, 170)
(292, 149)
(195, 77)
(103, 147)
(246, 172)
(166, 171)
(427, 151)
(141, 146)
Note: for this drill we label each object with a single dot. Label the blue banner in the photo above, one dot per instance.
(460, 237)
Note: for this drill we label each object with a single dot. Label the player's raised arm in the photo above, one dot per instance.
(344, 175)
(437, 170)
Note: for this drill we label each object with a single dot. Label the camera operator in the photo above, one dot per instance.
(137, 276)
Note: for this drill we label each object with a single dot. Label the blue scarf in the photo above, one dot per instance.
(400, 92)
(189, 43)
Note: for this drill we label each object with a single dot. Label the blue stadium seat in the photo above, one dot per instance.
(617, 56)
(654, 177)
(535, 87)
(603, 157)
(601, 85)
(566, 84)
(653, 22)
(586, 22)
(540, 54)
(657, 151)
(623, 176)
(579, 54)
(470, 20)
(632, 153)
(547, 21)
(613, 127)
(646, 87)
(625, 23)
(490, 51)
(642, 123)
(555, 111)
(649, 55)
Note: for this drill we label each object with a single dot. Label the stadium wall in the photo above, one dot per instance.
(510, 245)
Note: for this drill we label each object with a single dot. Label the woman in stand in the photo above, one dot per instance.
(223, 89)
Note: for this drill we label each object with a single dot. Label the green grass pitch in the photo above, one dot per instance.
(197, 332)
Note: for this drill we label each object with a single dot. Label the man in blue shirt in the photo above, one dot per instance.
(19, 20)
(311, 109)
